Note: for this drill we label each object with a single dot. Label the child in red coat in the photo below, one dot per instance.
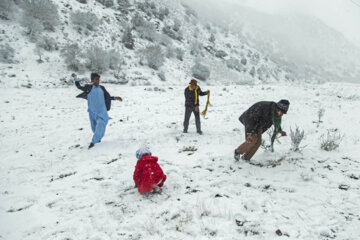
(148, 174)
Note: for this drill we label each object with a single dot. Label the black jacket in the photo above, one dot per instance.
(87, 89)
(190, 97)
(258, 116)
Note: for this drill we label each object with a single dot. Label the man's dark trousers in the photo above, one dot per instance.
(188, 111)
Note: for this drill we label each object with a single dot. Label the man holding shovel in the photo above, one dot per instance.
(192, 93)
(257, 119)
(99, 102)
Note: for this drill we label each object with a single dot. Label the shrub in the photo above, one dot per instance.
(47, 43)
(252, 72)
(82, 1)
(128, 39)
(114, 59)
(296, 137)
(148, 32)
(97, 59)
(149, 8)
(123, 6)
(39, 52)
(162, 77)
(162, 13)
(235, 64)
(196, 48)
(320, 115)
(7, 53)
(6, 8)
(138, 21)
(106, 3)
(220, 54)
(175, 52)
(200, 71)
(179, 54)
(243, 61)
(84, 20)
(212, 38)
(173, 31)
(39, 12)
(331, 140)
(154, 56)
(72, 52)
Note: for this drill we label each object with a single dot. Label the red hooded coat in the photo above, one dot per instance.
(148, 174)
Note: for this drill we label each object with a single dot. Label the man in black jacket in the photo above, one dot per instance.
(257, 119)
(99, 102)
(192, 94)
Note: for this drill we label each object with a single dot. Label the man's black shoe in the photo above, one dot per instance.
(200, 132)
(91, 145)
(185, 131)
(236, 156)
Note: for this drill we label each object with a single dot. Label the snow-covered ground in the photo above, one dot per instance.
(53, 187)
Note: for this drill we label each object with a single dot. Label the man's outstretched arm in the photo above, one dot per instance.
(112, 97)
(77, 83)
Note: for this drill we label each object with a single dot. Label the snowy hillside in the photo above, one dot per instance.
(127, 41)
(301, 43)
(53, 187)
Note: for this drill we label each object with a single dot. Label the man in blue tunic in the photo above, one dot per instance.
(99, 102)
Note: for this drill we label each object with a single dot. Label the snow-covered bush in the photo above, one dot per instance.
(154, 56)
(220, 54)
(128, 39)
(170, 52)
(38, 15)
(179, 54)
(212, 38)
(320, 115)
(72, 53)
(138, 21)
(235, 64)
(200, 71)
(39, 52)
(149, 8)
(161, 75)
(244, 61)
(84, 20)
(7, 53)
(114, 59)
(97, 59)
(47, 43)
(148, 32)
(331, 140)
(296, 137)
(82, 1)
(162, 13)
(123, 6)
(163, 39)
(173, 31)
(106, 3)
(6, 8)
(252, 71)
(196, 48)
(175, 52)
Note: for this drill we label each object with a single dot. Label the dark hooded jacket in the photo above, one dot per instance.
(87, 89)
(192, 99)
(260, 116)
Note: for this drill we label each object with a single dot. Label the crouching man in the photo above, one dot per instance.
(257, 119)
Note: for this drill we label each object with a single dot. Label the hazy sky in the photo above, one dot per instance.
(343, 15)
